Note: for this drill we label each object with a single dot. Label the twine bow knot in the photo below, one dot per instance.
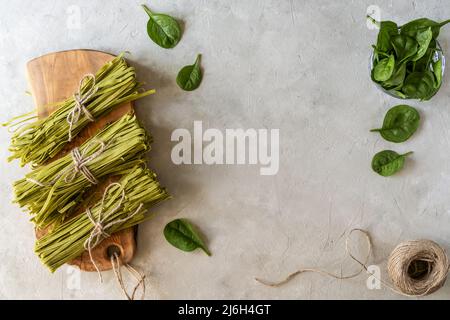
(99, 232)
(80, 161)
(79, 165)
(80, 100)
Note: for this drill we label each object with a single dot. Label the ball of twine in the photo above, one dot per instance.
(418, 267)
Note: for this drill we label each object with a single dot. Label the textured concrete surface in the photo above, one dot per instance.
(299, 66)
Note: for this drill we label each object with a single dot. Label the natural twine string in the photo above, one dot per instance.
(80, 162)
(327, 273)
(80, 100)
(398, 267)
(140, 278)
(98, 233)
(429, 253)
(72, 118)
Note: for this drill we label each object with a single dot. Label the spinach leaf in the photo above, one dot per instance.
(423, 63)
(397, 93)
(162, 29)
(397, 78)
(419, 85)
(388, 162)
(182, 235)
(423, 38)
(437, 69)
(189, 77)
(413, 27)
(388, 29)
(384, 69)
(399, 124)
(415, 73)
(405, 47)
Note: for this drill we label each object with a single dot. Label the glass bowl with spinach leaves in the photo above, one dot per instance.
(407, 62)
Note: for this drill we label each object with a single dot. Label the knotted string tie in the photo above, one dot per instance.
(80, 162)
(98, 233)
(80, 100)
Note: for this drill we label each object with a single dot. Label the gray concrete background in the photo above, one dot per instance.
(300, 66)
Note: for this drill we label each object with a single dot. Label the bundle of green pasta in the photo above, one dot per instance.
(52, 191)
(122, 206)
(115, 83)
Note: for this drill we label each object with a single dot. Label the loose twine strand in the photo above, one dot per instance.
(398, 267)
(98, 233)
(140, 278)
(80, 100)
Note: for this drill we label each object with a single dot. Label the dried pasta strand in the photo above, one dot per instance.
(42, 139)
(67, 240)
(50, 197)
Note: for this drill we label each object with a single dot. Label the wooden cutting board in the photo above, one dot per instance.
(55, 77)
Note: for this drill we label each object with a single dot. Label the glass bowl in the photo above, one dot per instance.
(437, 55)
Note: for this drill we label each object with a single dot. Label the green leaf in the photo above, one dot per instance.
(423, 38)
(163, 29)
(397, 78)
(397, 93)
(386, 163)
(399, 124)
(419, 85)
(423, 63)
(189, 77)
(415, 74)
(384, 69)
(413, 27)
(405, 47)
(437, 69)
(388, 29)
(182, 235)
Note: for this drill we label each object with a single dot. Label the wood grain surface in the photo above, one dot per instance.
(55, 77)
